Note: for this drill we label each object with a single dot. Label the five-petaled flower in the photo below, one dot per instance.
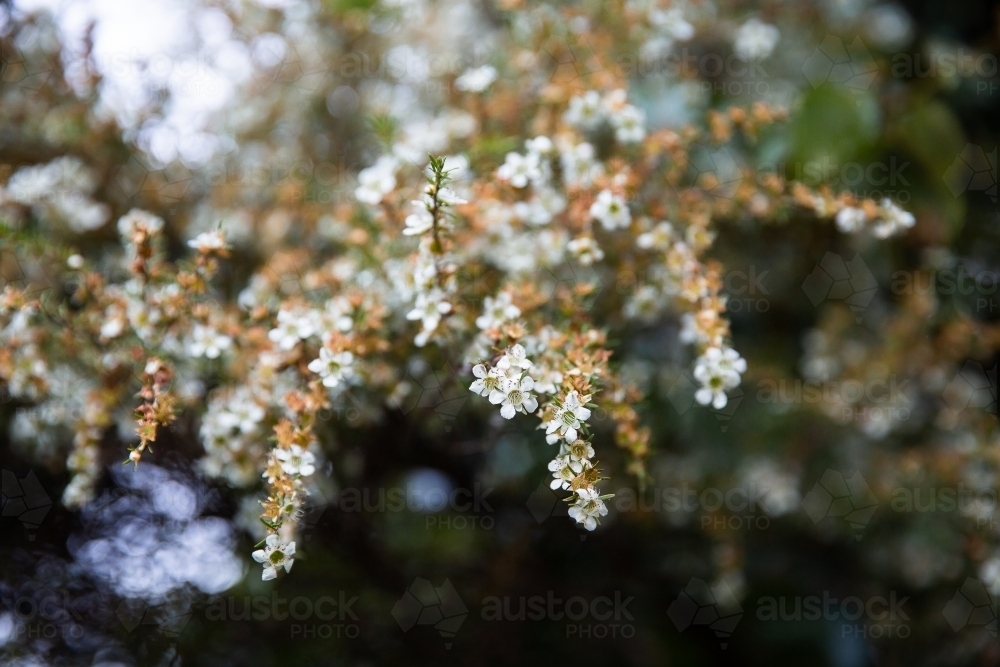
(275, 555)
(333, 367)
(296, 460)
(588, 508)
(514, 396)
(567, 419)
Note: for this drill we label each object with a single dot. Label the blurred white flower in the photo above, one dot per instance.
(476, 79)
(755, 40)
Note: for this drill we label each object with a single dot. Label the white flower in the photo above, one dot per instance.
(659, 238)
(566, 419)
(850, 219)
(428, 308)
(515, 357)
(208, 241)
(514, 396)
(540, 145)
(672, 22)
(296, 461)
(275, 555)
(547, 380)
(114, 322)
(519, 169)
(585, 110)
(487, 381)
(718, 369)
(377, 181)
(564, 470)
(629, 124)
(207, 342)
(894, 220)
(476, 79)
(333, 367)
(449, 197)
(241, 413)
(292, 327)
(587, 508)
(497, 311)
(579, 166)
(337, 315)
(580, 450)
(755, 40)
(610, 210)
(586, 250)
(420, 221)
(136, 219)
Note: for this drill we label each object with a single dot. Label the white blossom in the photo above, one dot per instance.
(661, 237)
(629, 124)
(476, 79)
(296, 461)
(671, 21)
(566, 419)
(137, 219)
(292, 327)
(514, 395)
(718, 370)
(586, 250)
(497, 311)
(487, 381)
(585, 111)
(755, 40)
(429, 308)
(275, 555)
(588, 508)
(894, 220)
(564, 469)
(519, 169)
(208, 241)
(515, 357)
(420, 221)
(207, 342)
(850, 219)
(377, 181)
(579, 164)
(333, 367)
(610, 210)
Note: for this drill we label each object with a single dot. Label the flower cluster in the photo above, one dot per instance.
(507, 384)
(888, 219)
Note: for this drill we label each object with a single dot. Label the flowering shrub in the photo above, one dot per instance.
(489, 209)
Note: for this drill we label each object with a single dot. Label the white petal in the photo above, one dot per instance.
(703, 396)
